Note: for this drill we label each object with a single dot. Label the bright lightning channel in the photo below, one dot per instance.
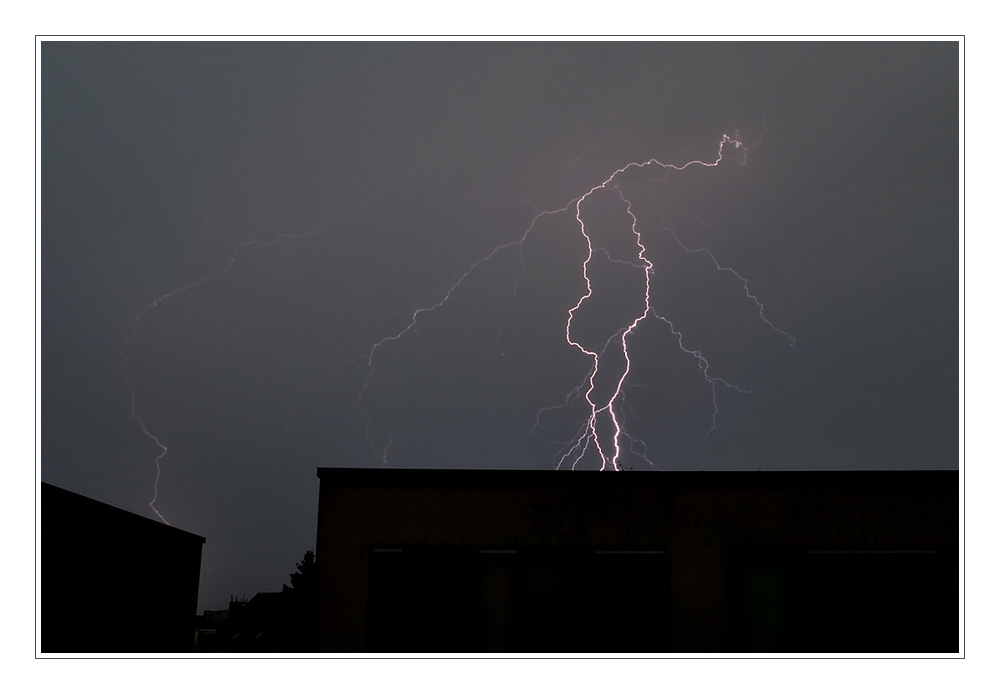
(588, 437)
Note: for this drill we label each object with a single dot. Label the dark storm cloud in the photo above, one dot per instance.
(160, 159)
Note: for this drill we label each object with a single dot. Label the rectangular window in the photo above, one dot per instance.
(505, 600)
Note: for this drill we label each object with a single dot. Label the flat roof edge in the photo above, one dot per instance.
(908, 479)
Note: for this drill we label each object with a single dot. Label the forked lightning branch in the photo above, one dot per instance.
(601, 435)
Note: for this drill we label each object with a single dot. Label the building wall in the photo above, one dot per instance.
(113, 581)
(719, 535)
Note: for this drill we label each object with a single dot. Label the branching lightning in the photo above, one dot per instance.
(252, 243)
(602, 433)
(602, 430)
(720, 268)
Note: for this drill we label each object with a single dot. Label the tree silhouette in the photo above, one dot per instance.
(304, 579)
(301, 599)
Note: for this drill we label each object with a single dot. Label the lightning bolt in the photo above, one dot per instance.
(601, 433)
(238, 251)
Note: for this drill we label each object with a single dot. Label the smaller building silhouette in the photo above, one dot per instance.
(270, 622)
(113, 581)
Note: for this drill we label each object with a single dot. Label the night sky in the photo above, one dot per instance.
(245, 221)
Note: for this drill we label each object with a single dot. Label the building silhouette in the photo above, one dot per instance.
(270, 622)
(113, 581)
(536, 561)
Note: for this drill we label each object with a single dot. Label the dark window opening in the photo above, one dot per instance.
(501, 600)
